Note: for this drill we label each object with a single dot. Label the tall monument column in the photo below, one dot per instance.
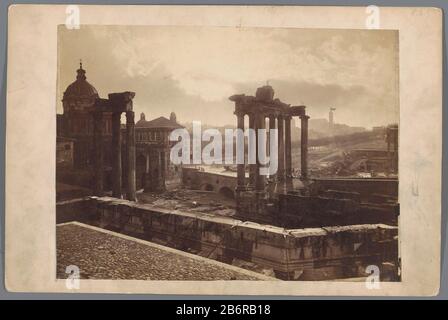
(241, 174)
(98, 145)
(130, 142)
(304, 147)
(116, 155)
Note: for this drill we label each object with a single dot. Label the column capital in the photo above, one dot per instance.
(239, 113)
(304, 117)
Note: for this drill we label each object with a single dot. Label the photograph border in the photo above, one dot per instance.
(426, 285)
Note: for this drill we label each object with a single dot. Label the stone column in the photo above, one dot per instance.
(304, 147)
(147, 162)
(130, 142)
(252, 167)
(98, 147)
(281, 150)
(272, 126)
(288, 159)
(116, 155)
(241, 174)
(260, 179)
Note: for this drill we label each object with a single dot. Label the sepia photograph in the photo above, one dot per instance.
(224, 152)
(227, 153)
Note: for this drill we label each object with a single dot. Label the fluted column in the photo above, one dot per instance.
(281, 149)
(288, 159)
(147, 158)
(130, 142)
(260, 179)
(116, 155)
(272, 126)
(99, 158)
(241, 174)
(251, 142)
(304, 147)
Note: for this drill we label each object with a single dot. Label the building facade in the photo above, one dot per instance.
(77, 149)
(154, 170)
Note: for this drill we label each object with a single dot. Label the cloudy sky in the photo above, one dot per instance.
(193, 70)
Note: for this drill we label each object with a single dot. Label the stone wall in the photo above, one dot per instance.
(319, 211)
(82, 210)
(296, 254)
(368, 188)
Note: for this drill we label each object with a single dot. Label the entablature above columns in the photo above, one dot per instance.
(117, 102)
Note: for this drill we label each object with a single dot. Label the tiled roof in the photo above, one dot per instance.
(103, 254)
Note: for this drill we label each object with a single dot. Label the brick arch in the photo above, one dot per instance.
(227, 192)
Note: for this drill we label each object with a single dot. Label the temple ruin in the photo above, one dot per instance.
(117, 104)
(252, 197)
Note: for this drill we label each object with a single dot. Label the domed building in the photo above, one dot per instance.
(76, 151)
(76, 123)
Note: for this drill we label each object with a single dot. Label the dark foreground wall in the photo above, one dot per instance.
(297, 254)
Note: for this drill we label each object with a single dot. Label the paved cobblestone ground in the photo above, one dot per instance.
(102, 255)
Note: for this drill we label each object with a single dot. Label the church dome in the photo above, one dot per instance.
(80, 88)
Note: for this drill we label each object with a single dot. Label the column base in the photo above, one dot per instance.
(251, 205)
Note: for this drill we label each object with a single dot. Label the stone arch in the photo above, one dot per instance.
(227, 192)
(207, 187)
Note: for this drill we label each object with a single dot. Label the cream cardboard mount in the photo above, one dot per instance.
(38, 70)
